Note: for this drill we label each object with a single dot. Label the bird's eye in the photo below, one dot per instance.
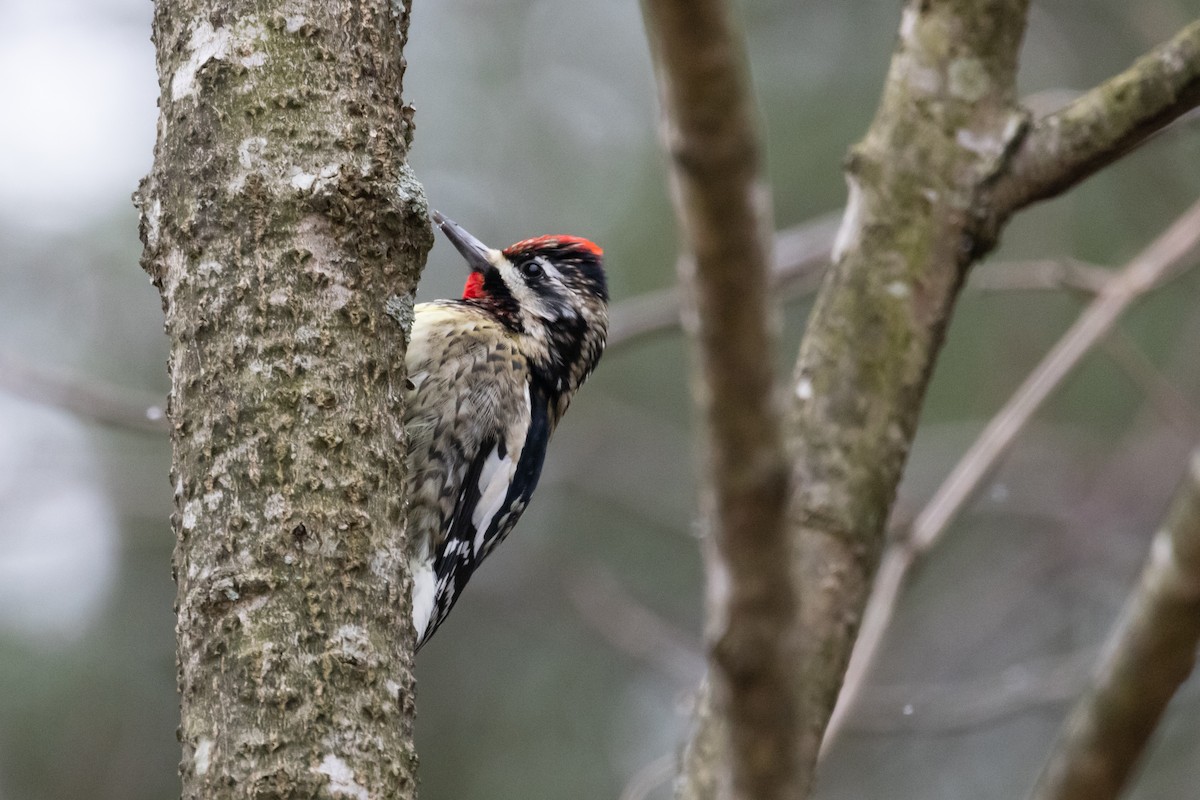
(531, 269)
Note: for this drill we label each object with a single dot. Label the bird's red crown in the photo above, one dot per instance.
(551, 242)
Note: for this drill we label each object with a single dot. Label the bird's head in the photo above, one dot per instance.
(549, 290)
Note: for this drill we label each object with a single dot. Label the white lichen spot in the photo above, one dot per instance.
(968, 79)
(210, 268)
(275, 507)
(908, 23)
(336, 297)
(851, 228)
(250, 151)
(341, 778)
(202, 758)
(980, 144)
(247, 610)
(305, 362)
(303, 181)
(176, 268)
(207, 43)
(804, 389)
(213, 499)
(256, 367)
(191, 515)
(153, 217)
(306, 333)
(216, 44)
(920, 77)
(351, 643)
(897, 289)
(279, 297)
(294, 23)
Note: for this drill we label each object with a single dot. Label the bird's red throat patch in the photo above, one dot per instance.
(474, 288)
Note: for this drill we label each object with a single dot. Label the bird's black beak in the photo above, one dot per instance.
(474, 251)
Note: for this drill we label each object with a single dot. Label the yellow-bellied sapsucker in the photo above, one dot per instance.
(490, 376)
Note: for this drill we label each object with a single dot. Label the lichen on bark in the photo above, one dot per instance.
(278, 220)
(914, 223)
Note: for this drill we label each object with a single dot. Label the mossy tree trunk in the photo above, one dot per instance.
(278, 221)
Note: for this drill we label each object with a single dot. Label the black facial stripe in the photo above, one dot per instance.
(498, 299)
(580, 269)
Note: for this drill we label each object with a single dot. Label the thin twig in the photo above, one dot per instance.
(1149, 653)
(1159, 262)
(801, 255)
(1166, 397)
(1040, 275)
(970, 704)
(630, 627)
(86, 398)
(1162, 260)
(801, 260)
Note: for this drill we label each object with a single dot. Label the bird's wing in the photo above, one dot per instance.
(494, 492)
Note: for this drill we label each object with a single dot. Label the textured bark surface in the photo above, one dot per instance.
(1103, 124)
(278, 220)
(914, 222)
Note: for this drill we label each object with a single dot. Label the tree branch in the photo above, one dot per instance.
(1149, 654)
(722, 208)
(1144, 273)
(92, 400)
(1100, 126)
(914, 223)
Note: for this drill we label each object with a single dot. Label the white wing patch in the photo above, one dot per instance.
(424, 593)
(494, 481)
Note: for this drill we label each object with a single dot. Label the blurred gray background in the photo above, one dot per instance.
(567, 667)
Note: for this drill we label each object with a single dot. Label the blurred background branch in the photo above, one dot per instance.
(723, 211)
(89, 399)
(1150, 652)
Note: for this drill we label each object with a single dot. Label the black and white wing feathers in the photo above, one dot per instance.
(495, 491)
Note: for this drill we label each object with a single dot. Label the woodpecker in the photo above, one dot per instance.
(490, 376)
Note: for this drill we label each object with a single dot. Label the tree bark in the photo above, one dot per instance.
(915, 221)
(278, 220)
